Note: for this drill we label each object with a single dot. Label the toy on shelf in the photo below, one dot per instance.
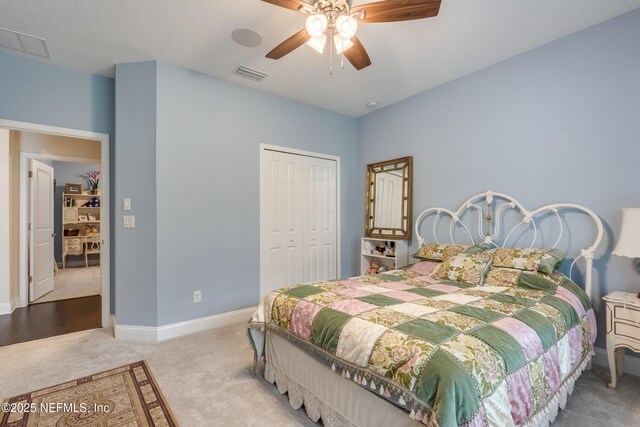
(390, 248)
(373, 268)
(368, 247)
(380, 247)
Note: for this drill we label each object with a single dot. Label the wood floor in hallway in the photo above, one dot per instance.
(50, 319)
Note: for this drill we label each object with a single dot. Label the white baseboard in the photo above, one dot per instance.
(631, 364)
(136, 333)
(5, 308)
(174, 330)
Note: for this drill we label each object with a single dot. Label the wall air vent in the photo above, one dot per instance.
(250, 73)
(24, 43)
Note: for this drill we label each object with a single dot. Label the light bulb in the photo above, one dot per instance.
(318, 43)
(346, 26)
(316, 24)
(341, 44)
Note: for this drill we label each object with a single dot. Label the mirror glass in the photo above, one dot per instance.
(388, 210)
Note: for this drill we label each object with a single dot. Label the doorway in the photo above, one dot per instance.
(20, 263)
(76, 227)
(299, 217)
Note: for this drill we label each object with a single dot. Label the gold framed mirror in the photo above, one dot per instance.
(388, 199)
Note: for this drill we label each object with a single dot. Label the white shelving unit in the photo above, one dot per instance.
(367, 256)
(88, 229)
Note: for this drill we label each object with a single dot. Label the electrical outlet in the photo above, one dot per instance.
(197, 296)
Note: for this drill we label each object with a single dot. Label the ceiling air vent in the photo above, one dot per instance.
(24, 43)
(250, 73)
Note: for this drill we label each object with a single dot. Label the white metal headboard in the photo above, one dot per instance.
(496, 204)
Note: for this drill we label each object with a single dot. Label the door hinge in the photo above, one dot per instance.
(30, 279)
(29, 227)
(30, 174)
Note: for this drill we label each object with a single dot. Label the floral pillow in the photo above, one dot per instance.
(528, 259)
(440, 252)
(465, 268)
(502, 277)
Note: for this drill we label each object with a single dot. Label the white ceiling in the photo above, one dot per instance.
(408, 57)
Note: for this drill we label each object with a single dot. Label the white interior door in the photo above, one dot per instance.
(282, 243)
(298, 211)
(320, 256)
(41, 230)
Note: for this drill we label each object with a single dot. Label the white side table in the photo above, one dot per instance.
(623, 329)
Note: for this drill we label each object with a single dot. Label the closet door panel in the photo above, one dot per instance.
(320, 224)
(284, 240)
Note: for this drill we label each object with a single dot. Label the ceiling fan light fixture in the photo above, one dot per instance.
(316, 24)
(341, 44)
(346, 26)
(318, 43)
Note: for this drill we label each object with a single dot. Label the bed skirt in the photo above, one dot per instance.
(342, 403)
(339, 402)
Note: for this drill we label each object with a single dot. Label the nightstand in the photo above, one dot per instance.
(623, 329)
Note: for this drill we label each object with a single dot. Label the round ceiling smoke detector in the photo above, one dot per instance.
(373, 105)
(246, 38)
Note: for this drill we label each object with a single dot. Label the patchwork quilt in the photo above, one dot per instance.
(451, 354)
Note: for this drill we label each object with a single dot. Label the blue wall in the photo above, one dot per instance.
(201, 232)
(37, 92)
(559, 123)
(135, 160)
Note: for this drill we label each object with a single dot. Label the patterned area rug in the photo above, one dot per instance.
(125, 396)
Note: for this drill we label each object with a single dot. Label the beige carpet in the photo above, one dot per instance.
(124, 396)
(206, 379)
(74, 282)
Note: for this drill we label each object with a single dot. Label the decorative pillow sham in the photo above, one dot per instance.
(440, 252)
(502, 277)
(538, 282)
(423, 268)
(528, 259)
(465, 268)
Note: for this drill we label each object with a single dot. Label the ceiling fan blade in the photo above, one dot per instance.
(357, 55)
(289, 45)
(288, 4)
(398, 10)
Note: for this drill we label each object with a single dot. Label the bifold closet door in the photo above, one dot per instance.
(282, 250)
(298, 220)
(320, 255)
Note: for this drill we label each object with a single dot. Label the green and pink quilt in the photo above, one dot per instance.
(451, 354)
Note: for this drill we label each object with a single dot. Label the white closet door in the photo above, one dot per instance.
(298, 220)
(320, 256)
(282, 242)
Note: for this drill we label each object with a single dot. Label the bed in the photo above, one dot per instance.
(486, 335)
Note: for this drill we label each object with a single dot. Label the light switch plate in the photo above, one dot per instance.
(126, 204)
(129, 221)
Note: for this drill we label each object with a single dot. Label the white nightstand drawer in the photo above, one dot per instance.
(631, 314)
(623, 329)
(73, 248)
(72, 242)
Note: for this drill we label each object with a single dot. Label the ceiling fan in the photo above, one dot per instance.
(337, 22)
